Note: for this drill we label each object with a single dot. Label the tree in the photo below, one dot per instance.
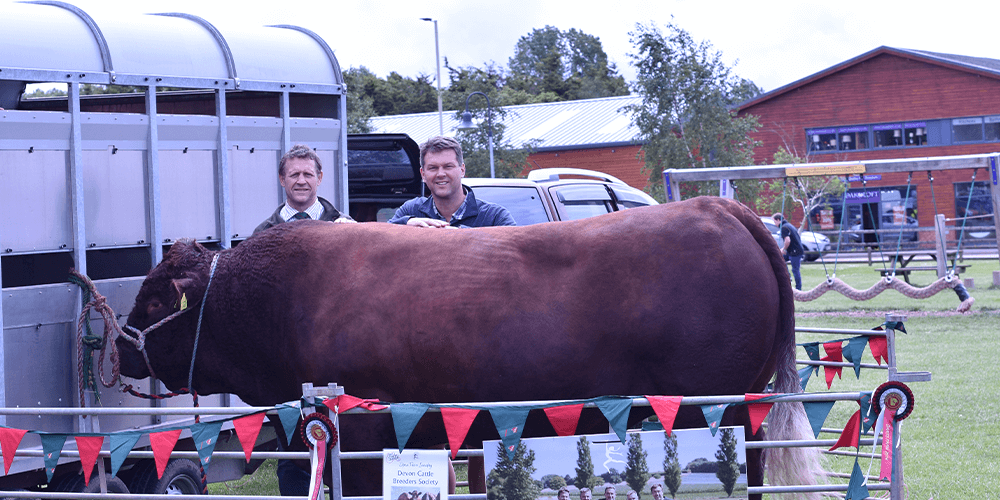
(612, 476)
(360, 106)
(584, 464)
(636, 468)
(511, 479)
(808, 193)
(563, 66)
(394, 95)
(554, 481)
(671, 465)
(728, 461)
(686, 117)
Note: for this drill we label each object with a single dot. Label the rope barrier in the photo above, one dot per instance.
(837, 285)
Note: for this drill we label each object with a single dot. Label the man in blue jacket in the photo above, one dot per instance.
(792, 247)
(450, 204)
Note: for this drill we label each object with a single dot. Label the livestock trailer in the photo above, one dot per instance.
(106, 189)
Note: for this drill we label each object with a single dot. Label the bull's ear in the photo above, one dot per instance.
(183, 293)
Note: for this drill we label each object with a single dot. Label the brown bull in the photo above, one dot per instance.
(689, 298)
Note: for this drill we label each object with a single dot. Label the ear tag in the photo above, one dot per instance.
(184, 301)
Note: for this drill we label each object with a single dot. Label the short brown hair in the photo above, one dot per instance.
(299, 151)
(778, 217)
(440, 143)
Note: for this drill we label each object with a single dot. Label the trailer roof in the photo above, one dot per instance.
(51, 41)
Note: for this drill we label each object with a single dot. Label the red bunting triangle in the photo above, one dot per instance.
(879, 348)
(849, 437)
(163, 443)
(666, 408)
(247, 429)
(758, 411)
(456, 424)
(834, 352)
(89, 447)
(345, 402)
(564, 418)
(10, 439)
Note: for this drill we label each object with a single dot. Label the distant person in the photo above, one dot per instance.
(563, 493)
(632, 495)
(609, 493)
(300, 174)
(450, 204)
(585, 494)
(792, 247)
(657, 491)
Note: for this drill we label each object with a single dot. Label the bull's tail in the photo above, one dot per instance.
(787, 422)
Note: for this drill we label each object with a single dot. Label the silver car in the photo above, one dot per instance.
(814, 244)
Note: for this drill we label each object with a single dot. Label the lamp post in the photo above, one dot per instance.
(437, 57)
(468, 125)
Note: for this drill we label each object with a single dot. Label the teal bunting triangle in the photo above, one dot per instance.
(509, 421)
(405, 417)
(804, 374)
(289, 417)
(205, 436)
(854, 350)
(713, 415)
(816, 412)
(868, 417)
(616, 410)
(857, 488)
(895, 325)
(812, 349)
(52, 445)
(121, 444)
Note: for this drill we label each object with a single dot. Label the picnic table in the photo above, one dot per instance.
(904, 257)
(905, 271)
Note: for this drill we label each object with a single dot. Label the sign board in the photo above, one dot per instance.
(826, 218)
(414, 474)
(558, 456)
(825, 170)
(898, 214)
(867, 177)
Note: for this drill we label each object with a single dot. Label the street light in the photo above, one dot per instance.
(468, 125)
(437, 56)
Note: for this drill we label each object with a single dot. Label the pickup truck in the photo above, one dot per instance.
(384, 172)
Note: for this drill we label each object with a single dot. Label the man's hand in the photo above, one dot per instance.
(345, 220)
(426, 222)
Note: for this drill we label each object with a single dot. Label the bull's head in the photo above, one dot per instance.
(176, 284)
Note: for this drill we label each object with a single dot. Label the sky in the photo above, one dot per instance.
(772, 43)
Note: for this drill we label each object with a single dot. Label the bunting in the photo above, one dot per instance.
(812, 350)
(52, 445)
(857, 488)
(247, 429)
(206, 436)
(850, 434)
(867, 418)
(288, 415)
(666, 408)
(855, 349)
(758, 411)
(564, 418)
(10, 439)
(89, 447)
(879, 348)
(163, 444)
(804, 374)
(345, 402)
(833, 353)
(456, 425)
(816, 412)
(121, 444)
(405, 417)
(509, 422)
(616, 411)
(713, 416)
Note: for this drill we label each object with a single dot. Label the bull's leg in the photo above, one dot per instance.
(477, 475)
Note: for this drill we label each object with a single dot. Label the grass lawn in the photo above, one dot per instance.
(951, 442)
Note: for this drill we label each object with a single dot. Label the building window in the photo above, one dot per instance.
(967, 129)
(979, 209)
(915, 133)
(888, 135)
(852, 138)
(822, 139)
(992, 127)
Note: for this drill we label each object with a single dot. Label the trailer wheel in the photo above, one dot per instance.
(73, 483)
(181, 477)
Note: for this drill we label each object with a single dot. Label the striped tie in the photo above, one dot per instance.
(301, 216)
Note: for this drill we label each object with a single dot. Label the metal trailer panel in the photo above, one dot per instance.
(65, 44)
(254, 132)
(35, 213)
(188, 132)
(115, 205)
(34, 130)
(279, 55)
(254, 197)
(187, 191)
(318, 133)
(103, 131)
